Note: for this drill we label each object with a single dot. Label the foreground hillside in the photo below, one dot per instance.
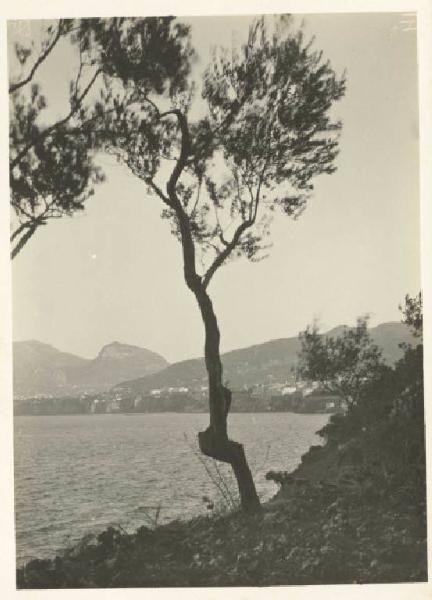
(354, 511)
(263, 363)
(317, 536)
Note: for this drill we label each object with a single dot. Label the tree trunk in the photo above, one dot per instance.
(214, 441)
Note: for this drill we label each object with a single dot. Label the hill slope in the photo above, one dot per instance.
(114, 363)
(262, 363)
(42, 369)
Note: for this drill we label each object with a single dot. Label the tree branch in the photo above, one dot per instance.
(78, 77)
(34, 221)
(221, 258)
(19, 230)
(44, 134)
(193, 280)
(182, 160)
(219, 226)
(226, 122)
(16, 86)
(229, 247)
(22, 242)
(197, 199)
(85, 125)
(159, 192)
(147, 99)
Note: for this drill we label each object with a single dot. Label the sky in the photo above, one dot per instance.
(114, 272)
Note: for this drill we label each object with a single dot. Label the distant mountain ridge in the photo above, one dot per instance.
(40, 368)
(261, 363)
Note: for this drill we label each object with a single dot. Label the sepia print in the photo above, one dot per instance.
(217, 305)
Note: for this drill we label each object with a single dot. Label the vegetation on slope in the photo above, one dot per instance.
(316, 536)
(354, 511)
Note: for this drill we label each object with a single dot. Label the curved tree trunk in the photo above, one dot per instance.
(214, 441)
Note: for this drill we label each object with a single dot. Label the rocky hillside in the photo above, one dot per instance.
(42, 369)
(263, 363)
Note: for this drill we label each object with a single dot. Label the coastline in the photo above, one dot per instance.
(317, 529)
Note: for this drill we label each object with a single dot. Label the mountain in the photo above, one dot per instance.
(388, 336)
(117, 362)
(262, 363)
(41, 369)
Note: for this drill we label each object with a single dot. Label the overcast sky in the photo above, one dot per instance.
(114, 272)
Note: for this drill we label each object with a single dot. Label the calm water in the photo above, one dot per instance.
(78, 474)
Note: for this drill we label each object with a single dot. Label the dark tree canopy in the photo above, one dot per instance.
(345, 364)
(413, 314)
(52, 168)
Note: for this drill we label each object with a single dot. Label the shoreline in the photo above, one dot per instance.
(316, 529)
(172, 412)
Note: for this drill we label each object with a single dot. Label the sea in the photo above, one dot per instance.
(77, 475)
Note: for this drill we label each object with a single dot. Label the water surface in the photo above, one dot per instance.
(79, 474)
